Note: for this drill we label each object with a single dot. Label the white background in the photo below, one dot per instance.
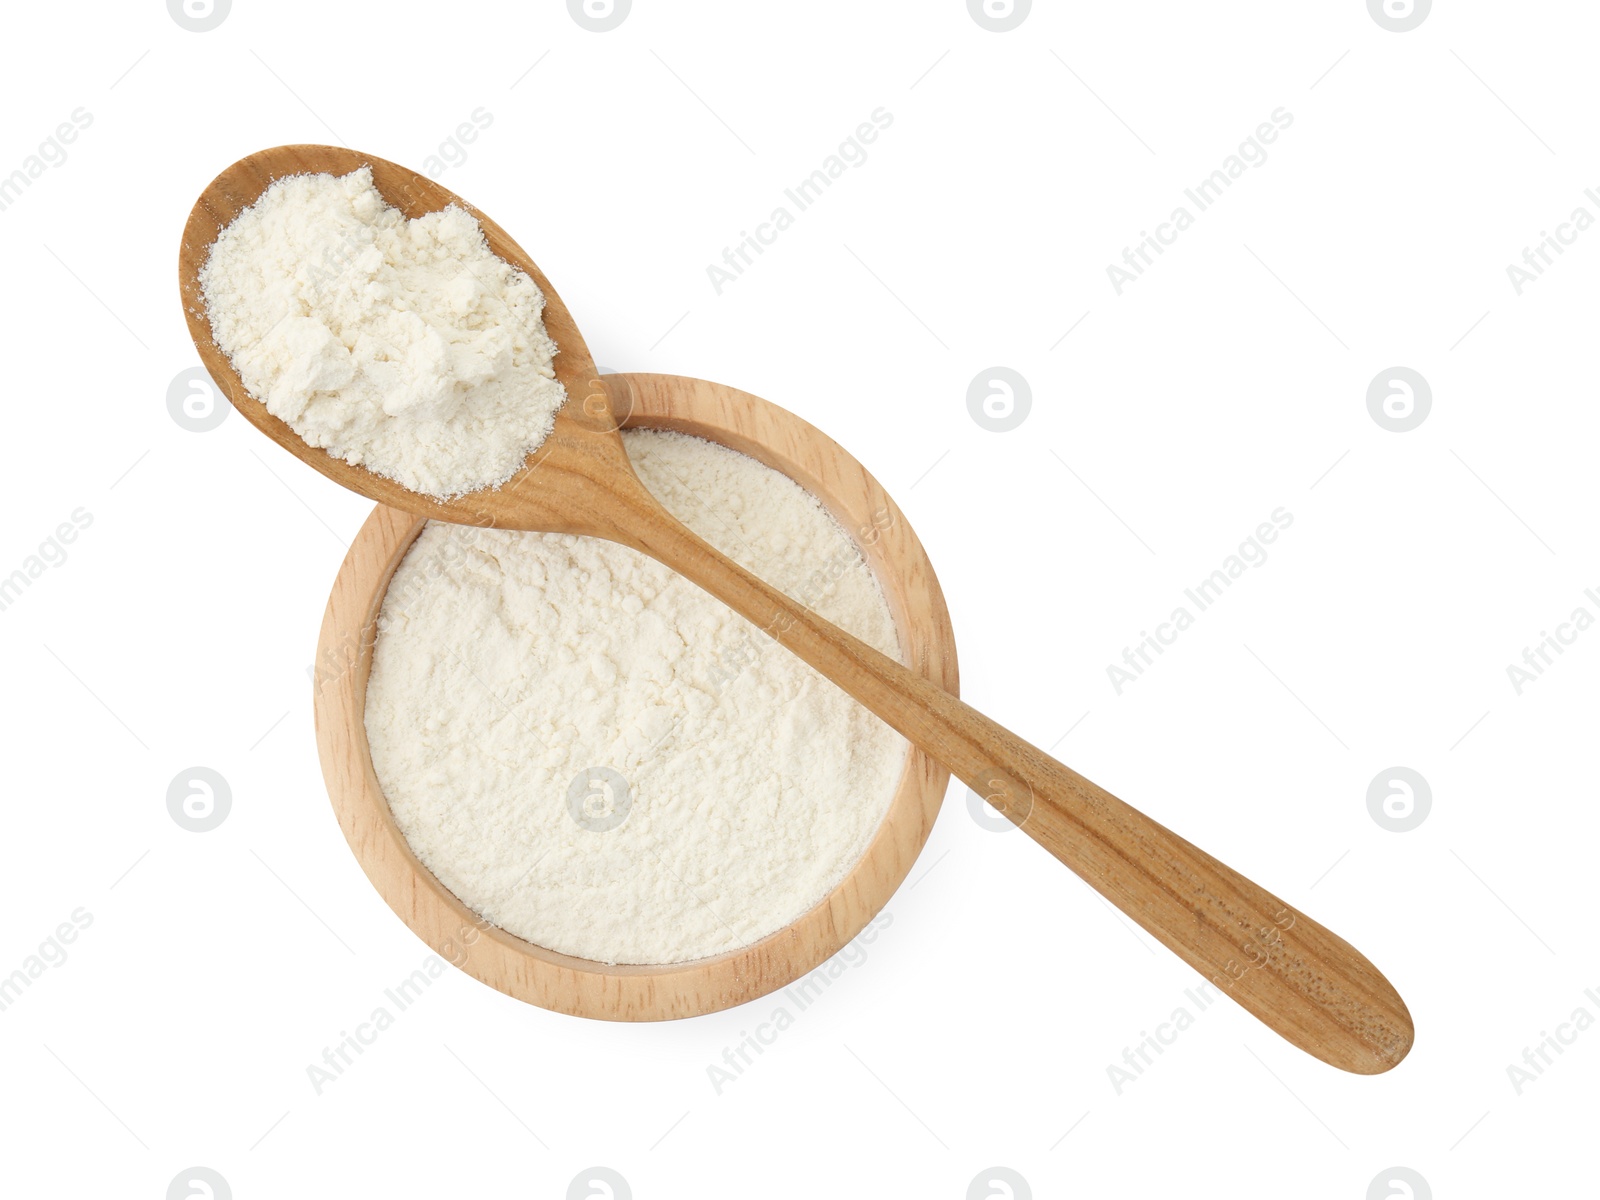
(1228, 381)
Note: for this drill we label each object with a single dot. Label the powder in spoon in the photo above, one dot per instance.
(598, 756)
(404, 346)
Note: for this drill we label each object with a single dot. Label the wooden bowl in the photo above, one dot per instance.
(579, 986)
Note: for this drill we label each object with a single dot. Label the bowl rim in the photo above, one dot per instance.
(637, 992)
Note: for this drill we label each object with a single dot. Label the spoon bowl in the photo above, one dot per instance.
(1296, 976)
(584, 448)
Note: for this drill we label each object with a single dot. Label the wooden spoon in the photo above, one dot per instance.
(1302, 980)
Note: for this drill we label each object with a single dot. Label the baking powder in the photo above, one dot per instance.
(406, 347)
(598, 756)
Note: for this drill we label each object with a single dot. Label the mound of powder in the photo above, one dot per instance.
(599, 757)
(406, 347)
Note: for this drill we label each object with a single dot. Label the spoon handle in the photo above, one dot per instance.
(1300, 979)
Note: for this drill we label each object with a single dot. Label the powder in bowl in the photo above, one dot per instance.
(403, 346)
(600, 758)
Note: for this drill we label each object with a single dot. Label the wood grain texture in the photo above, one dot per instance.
(637, 993)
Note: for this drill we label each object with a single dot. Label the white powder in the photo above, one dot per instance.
(406, 347)
(509, 664)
